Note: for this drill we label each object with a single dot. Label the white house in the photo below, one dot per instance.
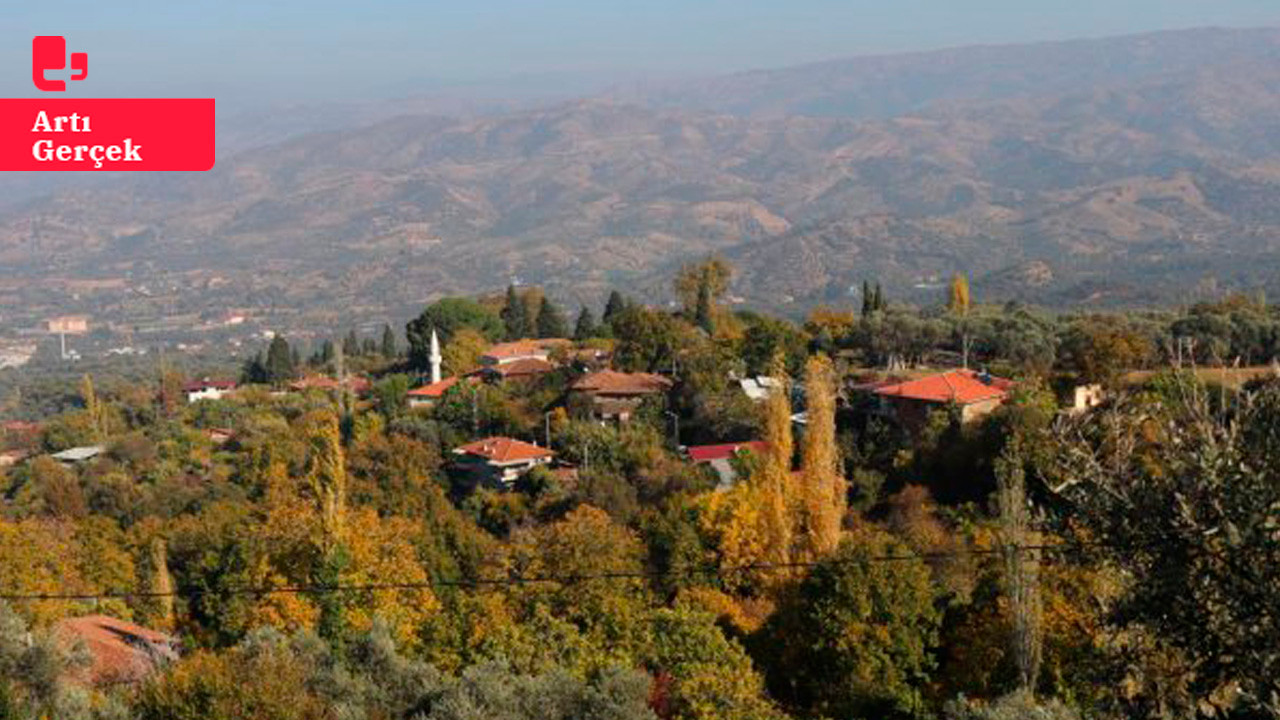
(206, 389)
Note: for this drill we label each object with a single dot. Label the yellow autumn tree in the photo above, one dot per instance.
(958, 300)
(823, 491)
(327, 475)
(381, 552)
(753, 523)
(92, 408)
(775, 484)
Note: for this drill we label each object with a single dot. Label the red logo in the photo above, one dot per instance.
(49, 52)
(53, 133)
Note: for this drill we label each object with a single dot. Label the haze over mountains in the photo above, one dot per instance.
(1120, 171)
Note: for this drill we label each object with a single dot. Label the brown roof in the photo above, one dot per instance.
(523, 367)
(612, 382)
(503, 450)
(959, 386)
(120, 651)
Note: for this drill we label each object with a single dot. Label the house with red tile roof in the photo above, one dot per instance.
(720, 458)
(430, 394)
(500, 460)
(909, 402)
(119, 651)
(616, 395)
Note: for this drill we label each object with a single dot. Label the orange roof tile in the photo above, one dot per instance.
(503, 450)
(434, 390)
(612, 382)
(959, 386)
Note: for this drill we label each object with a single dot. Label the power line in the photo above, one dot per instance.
(517, 579)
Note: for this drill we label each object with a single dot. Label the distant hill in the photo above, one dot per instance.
(1119, 171)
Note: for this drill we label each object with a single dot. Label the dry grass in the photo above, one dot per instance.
(1228, 377)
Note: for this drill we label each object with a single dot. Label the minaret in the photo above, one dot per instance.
(435, 357)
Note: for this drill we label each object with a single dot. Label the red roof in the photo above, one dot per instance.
(708, 453)
(959, 386)
(503, 450)
(434, 390)
(612, 382)
(120, 651)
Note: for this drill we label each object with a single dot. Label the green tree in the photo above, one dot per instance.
(389, 349)
(279, 363)
(704, 315)
(856, 640)
(447, 317)
(392, 393)
(647, 339)
(615, 305)
(551, 322)
(1101, 349)
(515, 315)
(585, 328)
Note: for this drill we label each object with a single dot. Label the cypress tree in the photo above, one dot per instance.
(705, 313)
(615, 305)
(351, 344)
(279, 365)
(586, 325)
(515, 315)
(389, 349)
(551, 323)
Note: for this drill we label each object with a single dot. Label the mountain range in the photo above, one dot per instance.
(1123, 171)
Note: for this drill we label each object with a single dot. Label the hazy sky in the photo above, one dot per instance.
(349, 48)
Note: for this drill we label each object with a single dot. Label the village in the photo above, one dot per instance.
(493, 443)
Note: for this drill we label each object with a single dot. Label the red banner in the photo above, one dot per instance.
(106, 134)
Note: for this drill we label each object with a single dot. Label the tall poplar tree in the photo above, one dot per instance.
(823, 493)
(92, 408)
(774, 482)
